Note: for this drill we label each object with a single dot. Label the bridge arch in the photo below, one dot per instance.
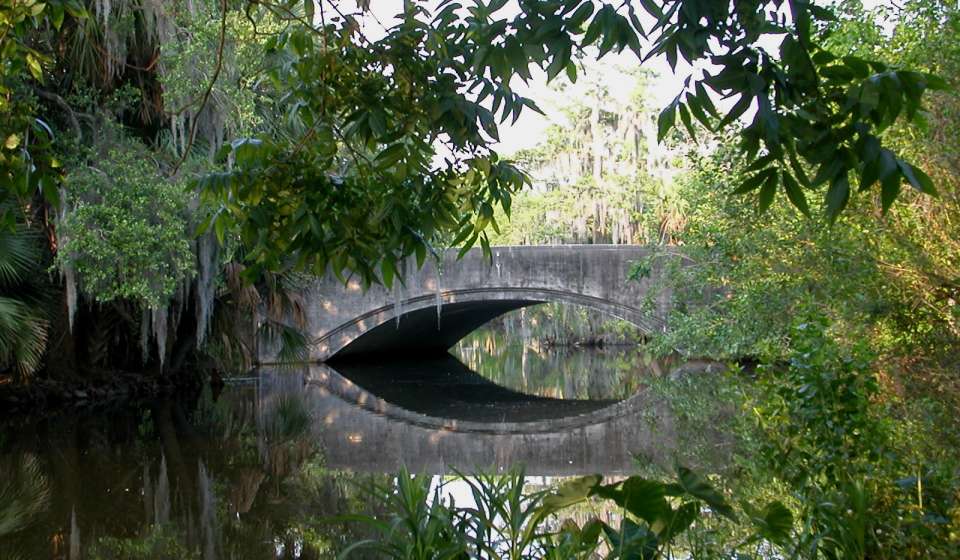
(344, 320)
(426, 327)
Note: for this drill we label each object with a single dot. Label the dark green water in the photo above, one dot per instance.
(254, 472)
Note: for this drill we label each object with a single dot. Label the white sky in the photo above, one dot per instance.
(530, 128)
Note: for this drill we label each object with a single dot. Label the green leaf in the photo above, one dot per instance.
(889, 190)
(571, 492)
(75, 8)
(858, 66)
(560, 60)
(838, 195)
(754, 181)
(56, 15)
(309, 10)
(665, 121)
(738, 109)
(590, 532)
(652, 8)
(936, 82)
(828, 171)
(698, 487)
(774, 523)
(632, 542)
(695, 107)
(704, 98)
(421, 251)
(391, 155)
(387, 271)
(795, 193)
(761, 162)
(767, 193)
(678, 522)
(219, 227)
(643, 498)
(820, 13)
(687, 122)
(869, 148)
(880, 168)
(468, 245)
(33, 64)
(917, 178)
(485, 246)
(580, 15)
(595, 27)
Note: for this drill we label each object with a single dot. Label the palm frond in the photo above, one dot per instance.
(18, 254)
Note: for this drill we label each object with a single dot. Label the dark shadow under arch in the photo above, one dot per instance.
(420, 332)
(443, 387)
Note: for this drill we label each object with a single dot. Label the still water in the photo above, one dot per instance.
(258, 470)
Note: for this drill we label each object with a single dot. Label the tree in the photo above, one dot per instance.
(371, 178)
(597, 177)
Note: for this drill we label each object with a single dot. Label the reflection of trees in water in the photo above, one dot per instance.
(511, 354)
(228, 478)
(561, 351)
(24, 495)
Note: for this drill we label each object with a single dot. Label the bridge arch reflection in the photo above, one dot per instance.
(362, 431)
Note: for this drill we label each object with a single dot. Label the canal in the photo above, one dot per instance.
(261, 467)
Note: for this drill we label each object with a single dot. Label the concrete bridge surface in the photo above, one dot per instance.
(444, 301)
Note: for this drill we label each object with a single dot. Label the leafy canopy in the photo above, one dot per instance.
(388, 150)
(126, 233)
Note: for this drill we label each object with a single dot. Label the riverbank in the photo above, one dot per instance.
(49, 397)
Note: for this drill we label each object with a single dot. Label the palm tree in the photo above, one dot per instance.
(23, 328)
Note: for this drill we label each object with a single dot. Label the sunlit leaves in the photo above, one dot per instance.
(27, 164)
(657, 512)
(396, 155)
(127, 233)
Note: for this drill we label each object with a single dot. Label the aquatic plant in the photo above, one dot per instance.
(507, 522)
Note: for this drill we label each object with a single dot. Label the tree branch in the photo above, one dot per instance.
(206, 94)
(62, 103)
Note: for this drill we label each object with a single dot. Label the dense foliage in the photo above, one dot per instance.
(507, 522)
(126, 232)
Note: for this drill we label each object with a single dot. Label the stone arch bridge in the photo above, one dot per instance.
(444, 301)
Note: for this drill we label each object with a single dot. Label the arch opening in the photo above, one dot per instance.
(425, 329)
(417, 364)
(561, 351)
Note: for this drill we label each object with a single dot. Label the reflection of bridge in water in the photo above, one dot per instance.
(439, 304)
(361, 431)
